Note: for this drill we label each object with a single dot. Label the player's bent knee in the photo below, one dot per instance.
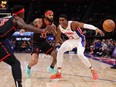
(61, 51)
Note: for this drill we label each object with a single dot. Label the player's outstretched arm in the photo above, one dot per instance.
(87, 26)
(21, 24)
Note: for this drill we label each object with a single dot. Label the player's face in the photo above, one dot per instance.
(63, 22)
(50, 17)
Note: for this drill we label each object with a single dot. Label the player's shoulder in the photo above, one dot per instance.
(8, 17)
(70, 21)
(74, 22)
(5, 18)
(38, 19)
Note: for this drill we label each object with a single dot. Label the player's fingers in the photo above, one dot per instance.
(96, 33)
(102, 34)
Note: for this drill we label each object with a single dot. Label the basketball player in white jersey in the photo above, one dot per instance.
(76, 39)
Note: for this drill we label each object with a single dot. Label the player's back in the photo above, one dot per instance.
(6, 27)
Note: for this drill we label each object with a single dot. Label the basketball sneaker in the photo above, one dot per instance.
(94, 74)
(56, 76)
(28, 72)
(113, 67)
(51, 70)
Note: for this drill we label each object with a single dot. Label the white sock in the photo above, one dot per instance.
(59, 70)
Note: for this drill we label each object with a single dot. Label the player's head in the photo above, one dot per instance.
(49, 14)
(63, 20)
(18, 10)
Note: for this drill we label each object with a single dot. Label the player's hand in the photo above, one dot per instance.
(21, 31)
(100, 32)
(44, 35)
(46, 31)
(53, 30)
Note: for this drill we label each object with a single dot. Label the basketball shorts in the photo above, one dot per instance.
(4, 52)
(43, 47)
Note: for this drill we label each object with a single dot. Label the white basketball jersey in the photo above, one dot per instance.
(72, 34)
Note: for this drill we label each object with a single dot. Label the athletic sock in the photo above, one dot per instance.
(29, 67)
(51, 66)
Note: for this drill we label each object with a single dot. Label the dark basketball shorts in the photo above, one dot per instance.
(44, 47)
(4, 52)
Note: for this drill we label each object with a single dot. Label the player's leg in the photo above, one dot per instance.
(54, 54)
(80, 53)
(7, 56)
(66, 46)
(52, 65)
(48, 49)
(16, 69)
(33, 61)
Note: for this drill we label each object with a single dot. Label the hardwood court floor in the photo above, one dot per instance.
(75, 73)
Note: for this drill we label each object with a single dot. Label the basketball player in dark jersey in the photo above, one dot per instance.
(40, 43)
(8, 25)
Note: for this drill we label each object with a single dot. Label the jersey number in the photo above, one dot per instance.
(3, 21)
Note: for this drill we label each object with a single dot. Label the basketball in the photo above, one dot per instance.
(109, 25)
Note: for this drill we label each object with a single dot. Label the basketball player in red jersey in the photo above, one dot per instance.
(40, 43)
(76, 39)
(8, 26)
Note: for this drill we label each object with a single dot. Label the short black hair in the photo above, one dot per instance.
(17, 8)
(64, 16)
(47, 10)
